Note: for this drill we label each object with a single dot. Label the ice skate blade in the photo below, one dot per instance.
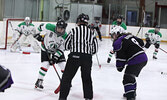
(37, 88)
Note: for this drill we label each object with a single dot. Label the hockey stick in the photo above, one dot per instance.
(58, 88)
(96, 53)
(98, 61)
(164, 73)
(139, 30)
(13, 28)
(163, 50)
(56, 71)
(142, 20)
(11, 25)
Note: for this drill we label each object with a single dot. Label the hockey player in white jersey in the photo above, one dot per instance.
(52, 48)
(117, 26)
(119, 22)
(153, 36)
(25, 31)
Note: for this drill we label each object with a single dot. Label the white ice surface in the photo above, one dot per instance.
(107, 81)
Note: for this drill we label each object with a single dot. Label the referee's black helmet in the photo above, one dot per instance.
(82, 18)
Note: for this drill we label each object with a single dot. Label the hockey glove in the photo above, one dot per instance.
(146, 35)
(120, 69)
(53, 59)
(156, 45)
(110, 56)
(148, 40)
(38, 37)
(108, 60)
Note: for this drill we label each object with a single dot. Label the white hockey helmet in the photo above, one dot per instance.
(27, 20)
(116, 31)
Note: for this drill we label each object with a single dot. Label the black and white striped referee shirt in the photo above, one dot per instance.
(81, 40)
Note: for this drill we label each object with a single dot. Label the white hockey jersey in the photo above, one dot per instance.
(26, 29)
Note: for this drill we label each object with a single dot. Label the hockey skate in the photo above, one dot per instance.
(12, 50)
(38, 84)
(88, 99)
(124, 95)
(154, 57)
(62, 99)
(131, 99)
(131, 96)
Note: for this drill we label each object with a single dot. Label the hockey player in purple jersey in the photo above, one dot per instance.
(5, 78)
(131, 56)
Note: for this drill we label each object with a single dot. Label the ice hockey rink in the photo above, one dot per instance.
(107, 81)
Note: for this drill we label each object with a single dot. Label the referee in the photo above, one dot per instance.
(82, 43)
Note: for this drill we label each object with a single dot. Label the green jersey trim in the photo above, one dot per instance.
(64, 36)
(59, 53)
(23, 23)
(153, 31)
(50, 27)
(123, 25)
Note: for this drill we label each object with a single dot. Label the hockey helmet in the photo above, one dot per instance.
(157, 26)
(116, 31)
(60, 27)
(61, 24)
(120, 17)
(83, 18)
(157, 29)
(27, 20)
(115, 35)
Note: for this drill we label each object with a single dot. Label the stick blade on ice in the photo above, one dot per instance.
(25, 52)
(57, 90)
(99, 66)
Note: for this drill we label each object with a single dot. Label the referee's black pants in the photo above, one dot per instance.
(75, 60)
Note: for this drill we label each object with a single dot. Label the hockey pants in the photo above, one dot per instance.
(75, 60)
(31, 40)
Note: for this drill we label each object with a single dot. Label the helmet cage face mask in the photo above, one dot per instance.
(60, 27)
(157, 28)
(60, 31)
(115, 35)
(119, 19)
(27, 20)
